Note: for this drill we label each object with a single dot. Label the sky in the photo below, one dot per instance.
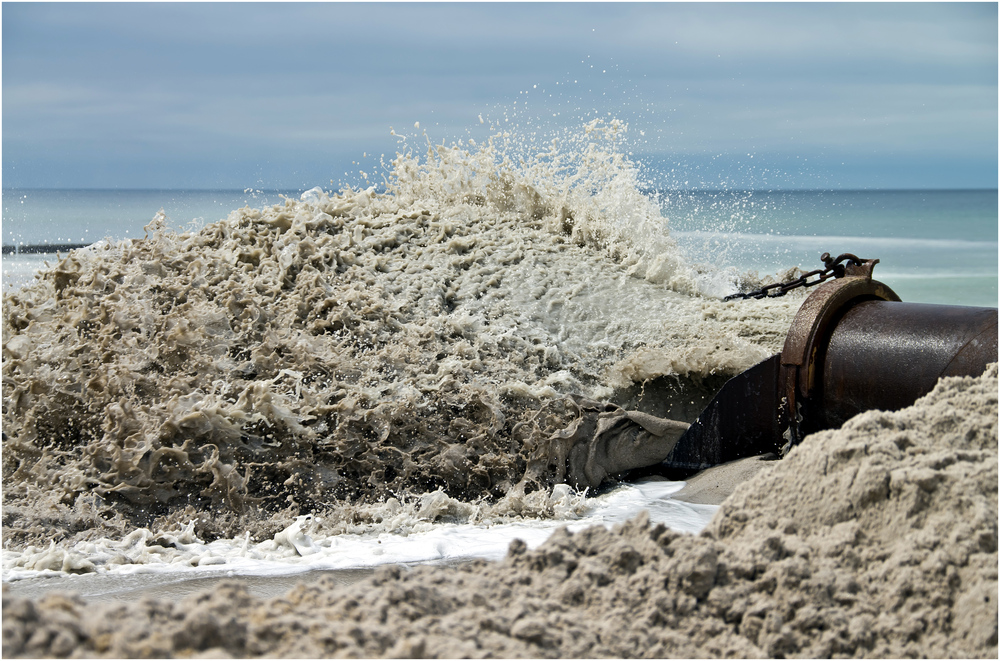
(259, 95)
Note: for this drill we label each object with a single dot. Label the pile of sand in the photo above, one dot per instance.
(878, 539)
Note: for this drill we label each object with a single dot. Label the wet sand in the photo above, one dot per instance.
(715, 485)
(346, 348)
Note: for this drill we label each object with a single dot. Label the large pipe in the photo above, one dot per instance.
(852, 347)
(884, 355)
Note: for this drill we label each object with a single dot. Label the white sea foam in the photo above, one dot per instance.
(405, 536)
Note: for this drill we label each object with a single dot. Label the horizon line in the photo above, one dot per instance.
(683, 190)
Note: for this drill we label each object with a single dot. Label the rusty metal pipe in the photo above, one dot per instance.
(852, 347)
(886, 355)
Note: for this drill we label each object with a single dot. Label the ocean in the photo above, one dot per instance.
(276, 382)
(37, 218)
(935, 246)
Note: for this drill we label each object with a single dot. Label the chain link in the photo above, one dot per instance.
(834, 268)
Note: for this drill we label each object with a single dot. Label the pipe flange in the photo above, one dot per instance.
(807, 338)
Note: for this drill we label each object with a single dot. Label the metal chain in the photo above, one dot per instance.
(834, 268)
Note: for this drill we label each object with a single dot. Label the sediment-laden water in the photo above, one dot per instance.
(357, 347)
(440, 353)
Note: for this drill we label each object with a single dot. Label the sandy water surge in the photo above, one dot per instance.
(391, 363)
(355, 348)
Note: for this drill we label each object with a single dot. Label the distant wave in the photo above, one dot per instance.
(42, 248)
(886, 274)
(824, 241)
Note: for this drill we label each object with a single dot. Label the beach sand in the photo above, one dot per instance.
(878, 539)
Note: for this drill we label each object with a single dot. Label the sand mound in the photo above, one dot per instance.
(878, 539)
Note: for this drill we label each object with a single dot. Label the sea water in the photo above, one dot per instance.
(43, 221)
(303, 547)
(934, 246)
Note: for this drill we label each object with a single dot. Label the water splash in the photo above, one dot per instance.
(360, 345)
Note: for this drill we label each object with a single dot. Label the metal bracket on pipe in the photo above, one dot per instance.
(806, 338)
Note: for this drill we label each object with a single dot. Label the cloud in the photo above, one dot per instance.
(221, 84)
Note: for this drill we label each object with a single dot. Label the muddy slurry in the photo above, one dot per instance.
(876, 540)
(356, 347)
